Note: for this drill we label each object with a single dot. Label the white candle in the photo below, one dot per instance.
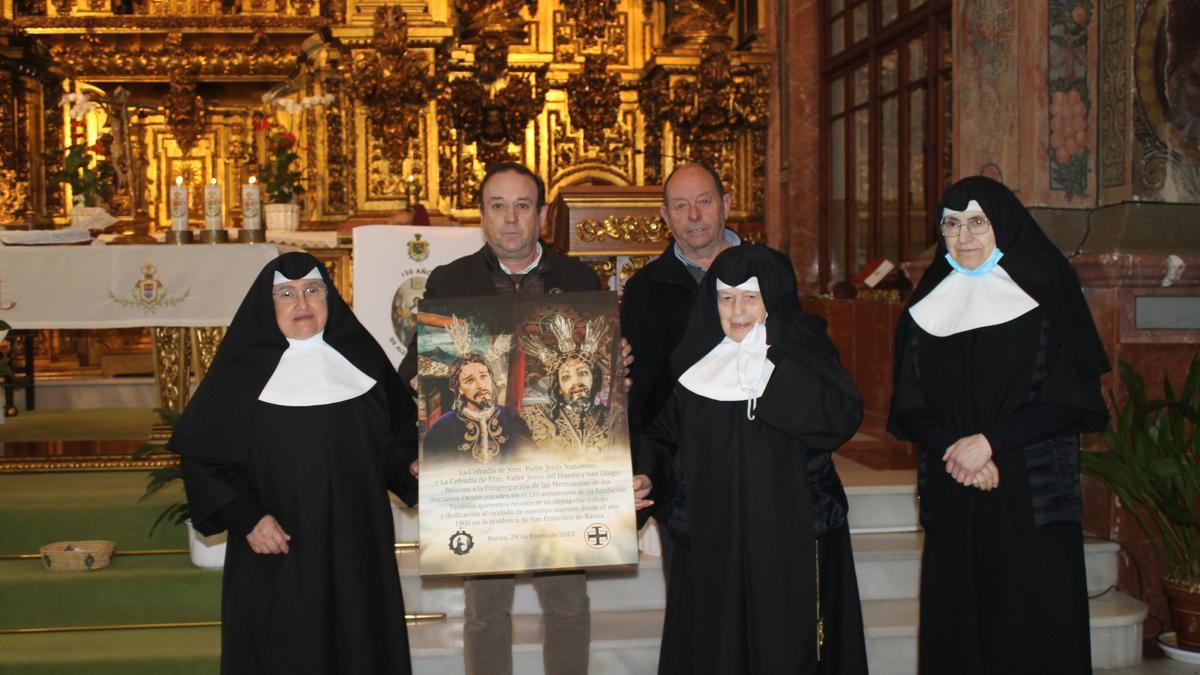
(179, 205)
(212, 205)
(251, 205)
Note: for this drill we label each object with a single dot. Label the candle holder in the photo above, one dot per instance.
(412, 194)
(211, 236)
(255, 236)
(180, 237)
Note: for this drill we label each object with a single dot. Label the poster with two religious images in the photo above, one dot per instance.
(525, 461)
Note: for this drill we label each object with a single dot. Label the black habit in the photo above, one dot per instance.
(332, 604)
(757, 509)
(1003, 587)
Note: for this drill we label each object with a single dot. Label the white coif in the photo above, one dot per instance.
(311, 372)
(962, 303)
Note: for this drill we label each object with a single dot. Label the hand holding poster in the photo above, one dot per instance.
(525, 454)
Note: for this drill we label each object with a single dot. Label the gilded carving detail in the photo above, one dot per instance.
(718, 112)
(594, 97)
(632, 266)
(652, 98)
(186, 114)
(492, 26)
(565, 105)
(337, 161)
(109, 59)
(624, 229)
(52, 123)
(591, 18)
(204, 347)
(172, 354)
(174, 21)
(494, 121)
(604, 268)
(694, 20)
(8, 119)
(394, 83)
(14, 196)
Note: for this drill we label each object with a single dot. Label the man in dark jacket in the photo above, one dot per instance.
(512, 205)
(653, 309)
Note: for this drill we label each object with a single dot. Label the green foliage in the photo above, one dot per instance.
(1152, 467)
(156, 480)
(92, 180)
(283, 182)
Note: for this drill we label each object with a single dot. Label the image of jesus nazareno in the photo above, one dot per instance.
(476, 429)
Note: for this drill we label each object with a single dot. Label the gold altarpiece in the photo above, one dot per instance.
(413, 100)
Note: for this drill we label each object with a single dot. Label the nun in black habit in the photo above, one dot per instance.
(763, 580)
(997, 371)
(291, 443)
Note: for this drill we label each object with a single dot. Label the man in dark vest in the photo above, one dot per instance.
(653, 309)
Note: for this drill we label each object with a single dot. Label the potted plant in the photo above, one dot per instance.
(1152, 468)
(207, 552)
(92, 182)
(281, 180)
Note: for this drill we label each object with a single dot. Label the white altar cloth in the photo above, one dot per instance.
(127, 286)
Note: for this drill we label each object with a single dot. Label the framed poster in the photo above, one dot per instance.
(525, 460)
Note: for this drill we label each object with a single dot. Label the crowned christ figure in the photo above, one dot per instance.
(575, 420)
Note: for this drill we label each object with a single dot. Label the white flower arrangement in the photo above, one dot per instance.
(79, 104)
(293, 106)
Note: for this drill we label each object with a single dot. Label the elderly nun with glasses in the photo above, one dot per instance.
(291, 443)
(997, 372)
(763, 577)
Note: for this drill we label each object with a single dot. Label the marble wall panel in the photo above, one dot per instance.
(987, 92)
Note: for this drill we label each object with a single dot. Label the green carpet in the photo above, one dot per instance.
(40, 508)
(175, 651)
(37, 509)
(133, 590)
(98, 424)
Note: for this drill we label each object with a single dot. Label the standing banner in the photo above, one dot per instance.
(391, 264)
(525, 457)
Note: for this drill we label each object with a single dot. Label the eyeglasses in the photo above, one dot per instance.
(977, 225)
(288, 295)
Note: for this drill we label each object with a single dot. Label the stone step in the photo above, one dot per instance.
(891, 630)
(622, 642)
(612, 589)
(889, 564)
(888, 568)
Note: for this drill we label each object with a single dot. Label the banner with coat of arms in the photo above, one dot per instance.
(391, 264)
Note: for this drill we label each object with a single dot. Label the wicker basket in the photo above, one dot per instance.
(77, 556)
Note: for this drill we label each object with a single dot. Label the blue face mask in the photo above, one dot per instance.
(983, 269)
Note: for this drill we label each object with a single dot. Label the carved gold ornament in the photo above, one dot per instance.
(186, 113)
(394, 84)
(14, 196)
(491, 26)
(592, 18)
(594, 97)
(494, 121)
(626, 229)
